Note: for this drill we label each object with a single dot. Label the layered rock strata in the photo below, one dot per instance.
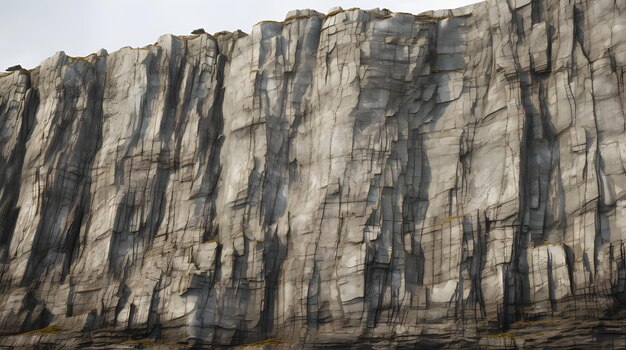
(360, 178)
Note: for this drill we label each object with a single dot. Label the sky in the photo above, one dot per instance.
(32, 30)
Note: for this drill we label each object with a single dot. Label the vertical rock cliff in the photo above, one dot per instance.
(360, 178)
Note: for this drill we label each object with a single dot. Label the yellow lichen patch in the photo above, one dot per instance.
(403, 13)
(266, 342)
(85, 59)
(47, 330)
(452, 218)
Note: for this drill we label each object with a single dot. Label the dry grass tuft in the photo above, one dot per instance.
(47, 330)
(506, 335)
(146, 342)
(266, 342)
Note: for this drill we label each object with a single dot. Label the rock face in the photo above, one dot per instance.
(361, 178)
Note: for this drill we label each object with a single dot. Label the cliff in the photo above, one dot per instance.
(360, 178)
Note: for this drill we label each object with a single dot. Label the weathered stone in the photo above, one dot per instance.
(14, 68)
(198, 31)
(450, 179)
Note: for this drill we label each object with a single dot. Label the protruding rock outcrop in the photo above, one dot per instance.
(14, 68)
(455, 178)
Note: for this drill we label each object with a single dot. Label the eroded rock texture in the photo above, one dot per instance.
(365, 178)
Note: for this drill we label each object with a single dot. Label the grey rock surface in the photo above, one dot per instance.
(356, 179)
(14, 68)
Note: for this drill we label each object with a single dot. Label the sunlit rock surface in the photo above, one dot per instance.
(359, 179)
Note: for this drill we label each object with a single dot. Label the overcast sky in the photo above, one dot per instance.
(32, 30)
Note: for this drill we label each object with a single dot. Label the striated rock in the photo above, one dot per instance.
(361, 178)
